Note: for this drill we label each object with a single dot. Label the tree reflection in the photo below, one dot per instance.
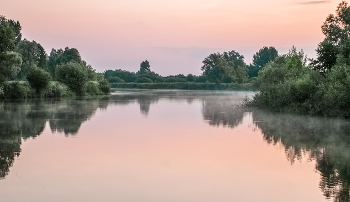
(324, 140)
(222, 112)
(27, 119)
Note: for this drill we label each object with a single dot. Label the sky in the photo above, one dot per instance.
(174, 36)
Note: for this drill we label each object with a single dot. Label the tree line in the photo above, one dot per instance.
(227, 67)
(26, 70)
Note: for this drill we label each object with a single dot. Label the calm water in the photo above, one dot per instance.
(169, 146)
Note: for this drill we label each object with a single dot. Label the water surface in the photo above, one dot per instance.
(168, 145)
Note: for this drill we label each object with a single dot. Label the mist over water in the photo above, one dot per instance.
(169, 145)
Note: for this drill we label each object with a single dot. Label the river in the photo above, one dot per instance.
(169, 145)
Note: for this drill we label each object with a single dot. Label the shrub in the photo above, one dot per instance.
(74, 75)
(16, 90)
(143, 80)
(104, 86)
(115, 79)
(56, 89)
(92, 88)
(38, 79)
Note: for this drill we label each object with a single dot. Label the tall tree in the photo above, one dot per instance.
(264, 55)
(59, 56)
(225, 67)
(260, 59)
(145, 66)
(33, 54)
(9, 36)
(335, 47)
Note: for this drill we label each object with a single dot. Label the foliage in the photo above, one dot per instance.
(217, 67)
(59, 57)
(57, 89)
(104, 86)
(38, 79)
(187, 86)
(32, 53)
(16, 90)
(74, 75)
(10, 34)
(260, 59)
(145, 66)
(9, 65)
(263, 56)
(334, 49)
(143, 80)
(92, 88)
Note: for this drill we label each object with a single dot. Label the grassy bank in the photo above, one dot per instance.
(186, 86)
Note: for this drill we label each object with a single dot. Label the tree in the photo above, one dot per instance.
(33, 54)
(145, 66)
(335, 47)
(9, 36)
(59, 56)
(227, 66)
(264, 55)
(38, 79)
(10, 63)
(74, 75)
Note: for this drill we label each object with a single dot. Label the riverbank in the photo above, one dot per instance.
(55, 89)
(186, 86)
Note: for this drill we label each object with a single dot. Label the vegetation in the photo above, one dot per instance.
(221, 71)
(26, 70)
(38, 79)
(290, 84)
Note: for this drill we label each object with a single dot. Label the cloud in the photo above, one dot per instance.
(313, 2)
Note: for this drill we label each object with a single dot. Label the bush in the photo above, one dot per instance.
(104, 86)
(92, 88)
(143, 80)
(115, 79)
(74, 75)
(56, 89)
(16, 90)
(38, 79)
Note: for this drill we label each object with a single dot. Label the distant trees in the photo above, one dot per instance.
(260, 59)
(226, 67)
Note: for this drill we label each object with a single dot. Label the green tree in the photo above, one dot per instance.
(59, 56)
(227, 66)
(335, 47)
(10, 63)
(74, 75)
(9, 37)
(10, 34)
(263, 56)
(260, 59)
(32, 53)
(145, 66)
(38, 79)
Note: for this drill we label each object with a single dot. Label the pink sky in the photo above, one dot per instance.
(175, 36)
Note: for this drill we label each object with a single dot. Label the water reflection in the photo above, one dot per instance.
(325, 141)
(21, 120)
